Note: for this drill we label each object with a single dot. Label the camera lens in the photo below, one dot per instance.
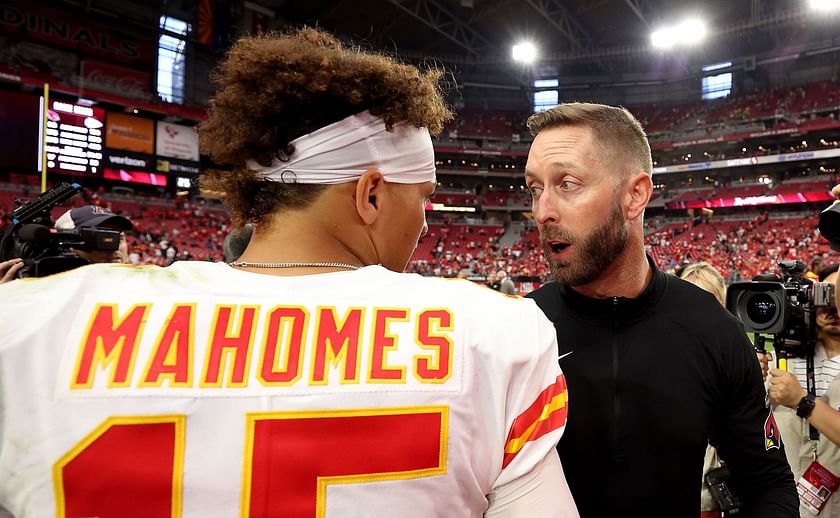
(761, 308)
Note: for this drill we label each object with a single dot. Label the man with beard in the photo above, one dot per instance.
(799, 409)
(656, 368)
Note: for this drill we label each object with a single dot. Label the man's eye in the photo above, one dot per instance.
(566, 185)
(534, 190)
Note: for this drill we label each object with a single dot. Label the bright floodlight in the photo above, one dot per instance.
(663, 38)
(525, 52)
(692, 31)
(825, 5)
(688, 32)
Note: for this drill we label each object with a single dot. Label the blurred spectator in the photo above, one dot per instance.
(493, 282)
(506, 284)
(704, 275)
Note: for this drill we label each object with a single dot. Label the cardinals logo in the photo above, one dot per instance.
(772, 437)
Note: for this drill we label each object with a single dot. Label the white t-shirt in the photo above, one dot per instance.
(199, 391)
(826, 369)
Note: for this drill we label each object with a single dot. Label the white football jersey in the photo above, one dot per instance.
(200, 391)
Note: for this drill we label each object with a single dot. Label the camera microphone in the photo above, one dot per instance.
(34, 232)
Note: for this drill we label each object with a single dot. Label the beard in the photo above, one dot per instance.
(592, 253)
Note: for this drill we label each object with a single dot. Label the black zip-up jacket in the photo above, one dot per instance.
(651, 380)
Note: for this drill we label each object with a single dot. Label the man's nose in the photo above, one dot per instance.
(545, 209)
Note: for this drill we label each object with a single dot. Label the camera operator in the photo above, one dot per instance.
(91, 216)
(797, 411)
(9, 269)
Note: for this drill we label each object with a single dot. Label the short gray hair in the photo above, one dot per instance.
(618, 135)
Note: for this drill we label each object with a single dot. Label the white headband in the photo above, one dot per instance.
(344, 150)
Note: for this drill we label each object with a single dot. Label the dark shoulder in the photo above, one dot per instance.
(547, 295)
(683, 292)
(684, 301)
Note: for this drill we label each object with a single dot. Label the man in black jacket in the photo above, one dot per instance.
(655, 366)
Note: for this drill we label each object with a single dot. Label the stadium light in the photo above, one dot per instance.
(688, 32)
(525, 52)
(663, 38)
(692, 31)
(824, 5)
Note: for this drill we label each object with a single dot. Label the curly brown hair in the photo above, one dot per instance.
(273, 89)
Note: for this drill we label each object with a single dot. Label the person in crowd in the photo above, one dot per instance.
(312, 367)
(506, 284)
(817, 265)
(705, 276)
(657, 367)
(91, 216)
(493, 281)
(798, 409)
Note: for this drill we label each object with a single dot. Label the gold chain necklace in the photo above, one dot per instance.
(247, 264)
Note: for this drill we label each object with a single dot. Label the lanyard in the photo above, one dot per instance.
(810, 381)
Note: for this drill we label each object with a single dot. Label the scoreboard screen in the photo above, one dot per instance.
(74, 138)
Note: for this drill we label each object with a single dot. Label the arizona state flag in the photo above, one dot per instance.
(206, 15)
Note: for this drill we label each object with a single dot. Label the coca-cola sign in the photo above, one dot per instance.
(117, 80)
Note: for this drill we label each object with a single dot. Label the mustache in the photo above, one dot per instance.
(555, 234)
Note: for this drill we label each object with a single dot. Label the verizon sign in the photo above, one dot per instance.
(126, 161)
(176, 141)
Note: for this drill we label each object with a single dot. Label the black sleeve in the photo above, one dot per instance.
(747, 436)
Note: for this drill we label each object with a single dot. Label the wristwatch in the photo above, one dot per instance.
(806, 406)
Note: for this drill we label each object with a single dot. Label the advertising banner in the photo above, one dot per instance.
(130, 133)
(752, 201)
(130, 176)
(167, 165)
(122, 160)
(754, 160)
(177, 141)
(32, 21)
(127, 82)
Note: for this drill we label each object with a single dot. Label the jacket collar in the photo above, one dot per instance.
(617, 311)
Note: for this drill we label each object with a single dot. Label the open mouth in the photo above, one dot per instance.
(558, 247)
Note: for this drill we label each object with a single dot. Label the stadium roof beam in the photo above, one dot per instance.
(444, 22)
(488, 8)
(567, 25)
(558, 15)
(639, 8)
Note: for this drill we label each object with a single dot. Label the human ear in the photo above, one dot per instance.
(640, 189)
(369, 192)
